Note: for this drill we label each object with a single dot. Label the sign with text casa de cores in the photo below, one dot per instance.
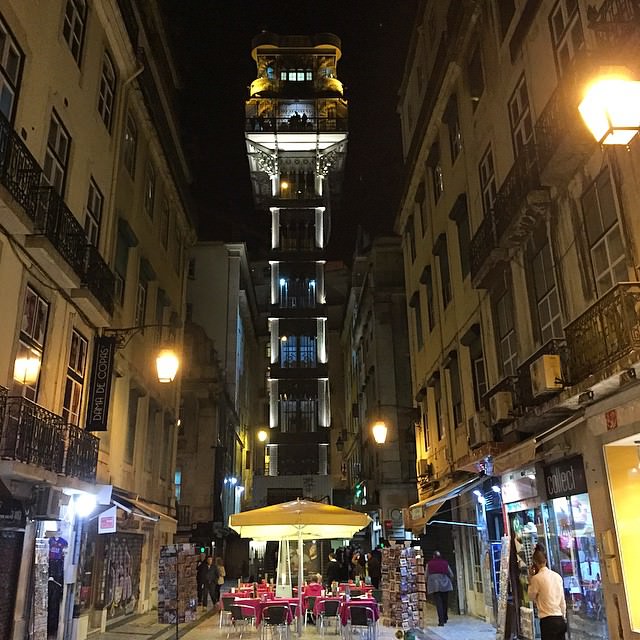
(100, 383)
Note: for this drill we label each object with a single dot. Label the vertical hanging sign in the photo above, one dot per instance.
(100, 383)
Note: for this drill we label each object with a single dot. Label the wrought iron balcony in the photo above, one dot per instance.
(33, 435)
(616, 22)
(55, 221)
(98, 277)
(520, 205)
(295, 124)
(606, 332)
(19, 171)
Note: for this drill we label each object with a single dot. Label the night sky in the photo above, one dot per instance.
(212, 45)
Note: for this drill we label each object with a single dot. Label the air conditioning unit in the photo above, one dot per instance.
(425, 468)
(46, 503)
(501, 406)
(478, 427)
(546, 375)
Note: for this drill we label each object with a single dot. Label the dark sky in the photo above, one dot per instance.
(212, 41)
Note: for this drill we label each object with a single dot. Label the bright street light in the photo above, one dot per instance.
(379, 431)
(167, 364)
(262, 435)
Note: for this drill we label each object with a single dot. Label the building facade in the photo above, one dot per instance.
(520, 247)
(296, 134)
(381, 477)
(93, 228)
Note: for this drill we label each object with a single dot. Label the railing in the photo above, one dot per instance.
(19, 171)
(484, 241)
(33, 435)
(607, 331)
(296, 124)
(616, 21)
(297, 244)
(98, 277)
(81, 455)
(521, 180)
(55, 220)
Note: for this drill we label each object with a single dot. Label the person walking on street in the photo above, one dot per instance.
(547, 591)
(332, 572)
(201, 570)
(373, 569)
(221, 576)
(439, 585)
(210, 582)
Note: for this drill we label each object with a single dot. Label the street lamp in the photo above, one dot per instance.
(611, 107)
(379, 430)
(262, 435)
(167, 364)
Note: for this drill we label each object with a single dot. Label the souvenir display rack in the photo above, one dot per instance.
(177, 585)
(403, 588)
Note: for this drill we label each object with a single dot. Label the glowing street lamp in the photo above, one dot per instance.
(379, 430)
(167, 364)
(262, 435)
(611, 107)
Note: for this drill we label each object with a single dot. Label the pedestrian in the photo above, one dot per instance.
(332, 572)
(221, 576)
(201, 569)
(373, 569)
(547, 591)
(439, 576)
(210, 582)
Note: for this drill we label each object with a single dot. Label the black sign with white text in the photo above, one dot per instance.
(100, 383)
(565, 478)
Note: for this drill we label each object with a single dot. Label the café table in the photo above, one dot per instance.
(318, 607)
(370, 603)
(260, 605)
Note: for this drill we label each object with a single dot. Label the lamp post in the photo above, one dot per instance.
(611, 107)
(379, 428)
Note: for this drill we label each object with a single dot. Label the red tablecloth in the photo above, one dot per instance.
(358, 602)
(319, 606)
(260, 605)
(365, 588)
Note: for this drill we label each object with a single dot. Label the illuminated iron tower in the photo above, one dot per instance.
(296, 137)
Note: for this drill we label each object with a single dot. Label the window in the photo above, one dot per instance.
(487, 181)
(456, 391)
(122, 260)
(33, 328)
(56, 156)
(164, 223)
(507, 347)
(440, 250)
(427, 279)
(297, 351)
(452, 121)
(437, 177)
(608, 258)
(566, 32)
(93, 213)
(129, 145)
(478, 374)
(107, 92)
(409, 234)
(141, 302)
(10, 68)
(75, 20)
(506, 10)
(520, 117)
(414, 303)
(132, 419)
(475, 74)
(437, 402)
(149, 189)
(422, 207)
(75, 378)
(460, 214)
(178, 255)
(546, 294)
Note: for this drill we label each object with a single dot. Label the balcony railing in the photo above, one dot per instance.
(295, 124)
(617, 20)
(34, 435)
(98, 277)
(55, 220)
(483, 243)
(81, 454)
(19, 171)
(607, 331)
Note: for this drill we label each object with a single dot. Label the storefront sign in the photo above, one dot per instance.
(100, 383)
(11, 513)
(107, 521)
(565, 478)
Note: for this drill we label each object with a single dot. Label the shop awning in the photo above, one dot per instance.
(521, 455)
(420, 513)
(139, 508)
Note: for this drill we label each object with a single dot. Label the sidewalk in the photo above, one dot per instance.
(458, 628)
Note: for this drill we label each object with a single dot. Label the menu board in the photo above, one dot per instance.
(503, 592)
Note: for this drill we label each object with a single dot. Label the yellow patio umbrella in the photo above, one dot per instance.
(298, 520)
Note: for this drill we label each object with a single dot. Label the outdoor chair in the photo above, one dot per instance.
(275, 618)
(308, 612)
(361, 619)
(241, 616)
(329, 611)
(356, 593)
(227, 600)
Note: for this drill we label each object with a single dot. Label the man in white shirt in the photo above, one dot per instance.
(547, 591)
